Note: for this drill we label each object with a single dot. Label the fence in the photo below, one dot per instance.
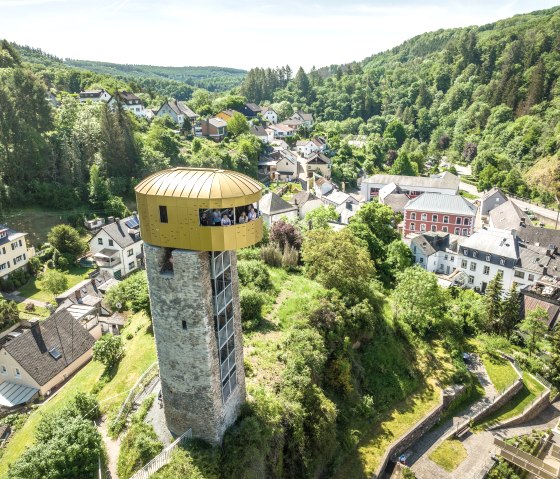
(527, 462)
(163, 458)
(136, 389)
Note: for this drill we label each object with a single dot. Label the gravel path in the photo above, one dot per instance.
(112, 447)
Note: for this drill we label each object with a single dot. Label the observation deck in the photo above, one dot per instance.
(199, 209)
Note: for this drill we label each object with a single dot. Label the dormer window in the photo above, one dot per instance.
(466, 252)
(488, 257)
(502, 261)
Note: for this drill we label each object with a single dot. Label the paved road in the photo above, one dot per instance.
(537, 210)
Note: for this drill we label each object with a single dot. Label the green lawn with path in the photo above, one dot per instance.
(530, 391)
(140, 353)
(33, 289)
(449, 454)
(501, 372)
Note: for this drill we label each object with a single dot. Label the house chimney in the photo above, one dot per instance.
(522, 222)
(343, 187)
(111, 219)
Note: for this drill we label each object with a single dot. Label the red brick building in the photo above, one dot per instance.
(437, 212)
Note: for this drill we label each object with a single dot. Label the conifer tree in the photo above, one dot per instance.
(494, 303)
(510, 311)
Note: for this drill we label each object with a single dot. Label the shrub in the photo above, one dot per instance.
(249, 254)
(54, 281)
(131, 293)
(251, 302)
(271, 255)
(66, 240)
(9, 313)
(34, 265)
(108, 350)
(29, 307)
(285, 234)
(254, 273)
(139, 446)
(86, 406)
(290, 258)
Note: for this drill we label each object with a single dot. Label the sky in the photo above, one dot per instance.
(238, 33)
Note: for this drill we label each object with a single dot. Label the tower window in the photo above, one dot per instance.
(184, 323)
(163, 214)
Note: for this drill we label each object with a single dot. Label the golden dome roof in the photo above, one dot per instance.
(198, 183)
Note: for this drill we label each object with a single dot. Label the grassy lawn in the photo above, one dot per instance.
(34, 290)
(449, 454)
(467, 195)
(38, 312)
(140, 353)
(530, 391)
(501, 372)
(393, 424)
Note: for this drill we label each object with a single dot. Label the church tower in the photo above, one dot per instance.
(192, 220)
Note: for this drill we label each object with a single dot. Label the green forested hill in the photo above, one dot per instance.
(489, 95)
(210, 78)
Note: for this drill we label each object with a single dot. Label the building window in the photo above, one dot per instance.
(463, 263)
(531, 277)
(422, 227)
(184, 324)
(452, 258)
(163, 214)
(433, 227)
(473, 266)
(466, 221)
(111, 243)
(519, 274)
(474, 254)
(458, 221)
(486, 270)
(424, 217)
(471, 279)
(457, 231)
(444, 229)
(412, 216)
(465, 232)
(445, 257)
(18, 373)
(488, 257)
(3, 370)
(446, 219)
(412, 226)
(434, 218)
(131, 265)
(100, 241)
(421, 260)
(130, 252)
(502, 261)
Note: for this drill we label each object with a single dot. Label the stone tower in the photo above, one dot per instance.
(192, 221)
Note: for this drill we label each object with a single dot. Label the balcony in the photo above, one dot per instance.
(107, 258)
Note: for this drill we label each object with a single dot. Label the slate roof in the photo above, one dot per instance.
(508, 216)
(429, 243)
(128, 97)
(253, 107)
(539, 236)
(396, 201)
(493, 241)
(118, 231)
(337, 197)
(305, 116)
(11, 234)
(272, 204)
(447, 181)
(258, 130)
(217, 122)
(60, 331)
(530, 303)
(181, 108)
(440, 203)
(302, 197)
(491, 192)
(317, 158)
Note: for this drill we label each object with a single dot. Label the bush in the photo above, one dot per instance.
(108, 350)
(54, 281)
(29, 307)
(66, 240)
(131, 293)
(290, 258)
(86, 406)
(251, 302)
(139, 446)
(34, 265)
(271, 255)
(255, 274)
(249, 254)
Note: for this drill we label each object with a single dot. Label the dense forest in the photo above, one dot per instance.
(488, 96)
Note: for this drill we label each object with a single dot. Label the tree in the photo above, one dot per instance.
(130, 294)
(67, 446)
(554, 369)
(54, 281)
(319, 218)
(237, 125)
(98, 188)
(108, 350)
(534, 325)
(403, 166)
(338, 261)
(396, 130)
(67, 241)
(419, 301)
(493, 300)
(285, 234)
(9, 313)
(510, 311)
(399, 257)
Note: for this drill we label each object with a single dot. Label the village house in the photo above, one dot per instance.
(279, 165)
(226, 115)
(437, 212)
(305, 118)
(435, 252)
(260, 133)
(250, 110)
(307, 147)
(317, 163)
(412, 186)
(214, 128)
(14, 251)
(392, 196)
(491, 251)
(178, 111)
(273, 208)
(129, 102)
(294, 123)
(545, 293)
(94, 96)
(306, 202)
(508, 216)
(35, 360)
(117, 246)
(269, 115)
(491, 199)
(279, 131)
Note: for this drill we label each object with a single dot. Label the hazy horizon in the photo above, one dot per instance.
(237, 34)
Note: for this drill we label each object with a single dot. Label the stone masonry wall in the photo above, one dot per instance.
(188, 358)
